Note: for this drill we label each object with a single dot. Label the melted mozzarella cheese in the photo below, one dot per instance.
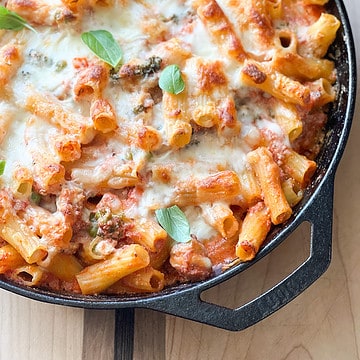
(13, 146)
(48, 68)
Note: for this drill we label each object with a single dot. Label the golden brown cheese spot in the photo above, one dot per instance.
(225, 182)
(211, 76)
(148, 138)
(220, 26)
(70, 150)
(212, 10)
(10, 54)
(162, 173)
(40, 12)
(228, 115)
(263, 22)
(254, 73)
(91, 81)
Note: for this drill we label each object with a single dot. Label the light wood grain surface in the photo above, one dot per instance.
(323, 323)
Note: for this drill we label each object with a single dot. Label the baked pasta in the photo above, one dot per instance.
(149, 143)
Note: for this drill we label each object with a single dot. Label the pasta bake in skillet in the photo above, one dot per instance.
(150, 143)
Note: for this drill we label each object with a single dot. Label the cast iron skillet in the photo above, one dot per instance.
(316, 208)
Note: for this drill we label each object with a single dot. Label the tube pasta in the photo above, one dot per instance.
(274, 8)
(224, 185)
(292, 194)
(287, 61)
(220, 29)
(289, 119)
(229, 124)
(205, 113)
(298, 167)
(19, 235)
(10, 259)
(50, 109)
(275, 83)
(252, 22)
(147, 233)
(10, 60)
(207, 83)
(322, 92)
(103, 115)
(253, 232)
(91, 81)
(64, 266)
(99, 276)
(250, 188)
(118, 177)
(267, 173)
(320, 35)
(178, 133)
(16, 233)
(148, 138)
(176, 118)
(94, 250)
(29, 275)
(67, 147)
(146, 280)
(221, 218)
(51, 227)
(172, 51)
(23, 182)
(41, 12)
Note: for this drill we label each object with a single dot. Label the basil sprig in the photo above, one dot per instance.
(171, 81)
(103, 45)
(10, 20)
(174, 222)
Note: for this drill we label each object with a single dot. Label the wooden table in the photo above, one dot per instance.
(322, 323)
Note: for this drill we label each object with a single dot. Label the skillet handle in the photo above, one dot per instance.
(190, 306)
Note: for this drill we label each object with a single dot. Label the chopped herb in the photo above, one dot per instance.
(60, 65)
(174, 222)
(2, 166)
(174, 18)
(103, 45)
(105, 224)
(171, 80)
(25, 74)
(151, 65)
(129, 156)
(38, 58)
(114, 75)
(93, 229)
(35, 197)
(10, 20)
(139, 109)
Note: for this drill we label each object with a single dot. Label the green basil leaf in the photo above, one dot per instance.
(174, 222)
(171, 80)
(10, 20)
(2, 166)
(103, 45)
